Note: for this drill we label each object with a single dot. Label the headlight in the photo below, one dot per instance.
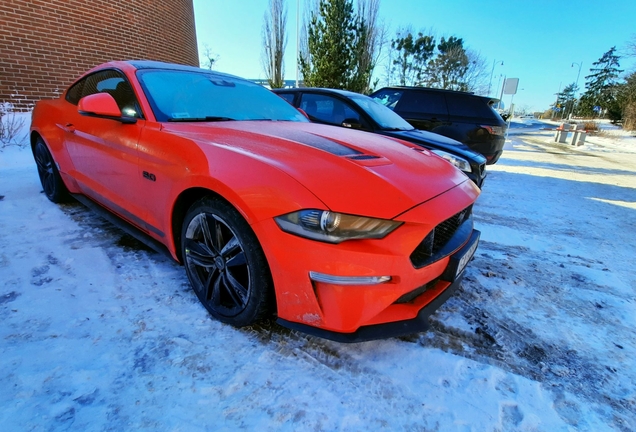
(330, 227)
(457, 161)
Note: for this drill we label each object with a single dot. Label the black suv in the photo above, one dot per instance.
(356, 111)
(465, 117)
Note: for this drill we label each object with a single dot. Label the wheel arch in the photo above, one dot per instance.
(181, 205)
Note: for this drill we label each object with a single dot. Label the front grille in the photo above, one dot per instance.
(438, 238)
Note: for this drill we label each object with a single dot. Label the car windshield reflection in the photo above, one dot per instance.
(383, 116)
(184, 96)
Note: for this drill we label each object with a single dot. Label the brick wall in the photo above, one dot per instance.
(46, 44)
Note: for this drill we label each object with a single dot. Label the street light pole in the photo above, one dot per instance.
(577, 82)
(502, 89)
(491, 74)
(557, 100)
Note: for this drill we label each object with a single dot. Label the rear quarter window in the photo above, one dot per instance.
(468, 106)
(289, 97)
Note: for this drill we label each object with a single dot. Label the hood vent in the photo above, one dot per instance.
(364, 157)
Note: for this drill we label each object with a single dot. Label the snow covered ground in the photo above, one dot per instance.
(99, 333)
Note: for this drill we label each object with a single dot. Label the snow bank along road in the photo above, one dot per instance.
(98, 333)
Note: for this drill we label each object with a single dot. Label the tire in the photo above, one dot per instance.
(52, 183)
(225, 263)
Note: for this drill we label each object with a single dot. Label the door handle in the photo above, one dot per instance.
(68, 127)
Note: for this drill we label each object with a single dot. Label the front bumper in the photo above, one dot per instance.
(399, 328)
(336, 308)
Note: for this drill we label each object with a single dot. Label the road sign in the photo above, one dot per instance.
(510, 86)
(597, 108)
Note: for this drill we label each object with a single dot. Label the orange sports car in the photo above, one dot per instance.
(338, 233)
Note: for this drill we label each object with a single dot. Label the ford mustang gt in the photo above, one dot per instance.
(335, 232)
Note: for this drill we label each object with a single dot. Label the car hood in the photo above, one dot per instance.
(438, 141)
(349, 171)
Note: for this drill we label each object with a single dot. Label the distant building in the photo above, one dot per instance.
(287, 83)
(46, 44)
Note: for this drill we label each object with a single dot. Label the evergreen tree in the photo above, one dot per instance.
(627, 100)
(601, 84)
(448, 69)
(411, 56)
(335, 40)
(566, 100)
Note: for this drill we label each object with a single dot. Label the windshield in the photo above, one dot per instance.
(199, 96)
(383, 116)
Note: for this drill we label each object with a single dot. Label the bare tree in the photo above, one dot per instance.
(375, 38)
(208, 59)
(274, 42)
(476, 77)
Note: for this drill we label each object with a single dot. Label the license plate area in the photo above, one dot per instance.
(460, 259)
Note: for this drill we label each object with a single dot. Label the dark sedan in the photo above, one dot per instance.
(356, 111)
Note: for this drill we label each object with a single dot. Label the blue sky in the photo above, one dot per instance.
(537, 40)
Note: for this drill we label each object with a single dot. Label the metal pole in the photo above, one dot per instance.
(577, 83)
(557, 99)
(491, 74)
(502, 89)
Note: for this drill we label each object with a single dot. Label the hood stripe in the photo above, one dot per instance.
(318, 142)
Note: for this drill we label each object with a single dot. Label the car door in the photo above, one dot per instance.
(103, 151)
(327, 109)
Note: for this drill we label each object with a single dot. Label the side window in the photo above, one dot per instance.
(111, 82)
(327, 109)
(388, 97)
(289, 97)
(428, 103)
(468, 106)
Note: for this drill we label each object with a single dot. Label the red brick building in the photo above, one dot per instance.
(46, 44)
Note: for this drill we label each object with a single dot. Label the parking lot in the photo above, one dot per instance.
(100, 333)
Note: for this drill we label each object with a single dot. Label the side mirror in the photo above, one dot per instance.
(352, 123)
(102, 105)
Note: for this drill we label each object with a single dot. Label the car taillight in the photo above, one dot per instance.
(494, 130)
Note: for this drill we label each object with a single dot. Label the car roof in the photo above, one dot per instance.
(430, 89)
(345, 93)
(427, 89)
(150, 64)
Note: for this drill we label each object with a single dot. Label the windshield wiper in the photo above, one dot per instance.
(200, 119)
(396, 129)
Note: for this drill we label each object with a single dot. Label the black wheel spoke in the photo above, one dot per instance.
(237, 260)
(208, 235)
(199, 254)
(237, 291)
(217, 234)
(211, 281)
(215, 296)
(49, 183)
(230, 248)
